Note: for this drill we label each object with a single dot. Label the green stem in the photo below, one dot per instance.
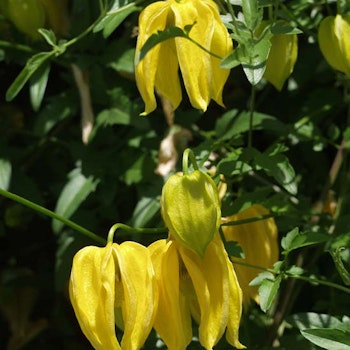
(38, 208)
(131, 229)
(318, 281)
(203, 48)
(188, 154)
(248, 220)
(19, 47)
(251, 117)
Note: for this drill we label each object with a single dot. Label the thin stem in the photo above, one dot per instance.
(322, 282)
(248, 220)
(131, 229)
(38, 208)
(188, 155)
(251, 117)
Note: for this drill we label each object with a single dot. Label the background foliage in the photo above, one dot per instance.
(296, 165)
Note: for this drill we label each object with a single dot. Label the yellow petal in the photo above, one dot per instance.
(235, 301)
(91, 291)
(221, 45)
(173, 319)
(195, 64)
(259, 243)
(210, 279)
(140, 292)
(152, 19)
(167, 80)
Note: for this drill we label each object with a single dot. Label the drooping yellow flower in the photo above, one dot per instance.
(282, 57)
(204, 288)
(188, 202)
(258, 241)
(116, 279)
(334, 41)
(203, 78)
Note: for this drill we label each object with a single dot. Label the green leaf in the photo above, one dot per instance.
(114, 18)
(49, 36)
(282, 27)
(37, 85)
(277, 166)
(295, 239)
(32, 65)
(73, 194)
(254, 62)
(313, 320)
(267, 292)
(234, 249)
(5, 173)
(169, 33)
(252, 15)
(328, 338)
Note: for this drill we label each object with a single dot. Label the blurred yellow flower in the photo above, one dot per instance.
(114, 284)
(282, 57)
(334, 41)
(204, 288)
(158, 70)
(258, 241)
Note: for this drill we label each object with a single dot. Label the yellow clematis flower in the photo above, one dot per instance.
(187, 201)
(334, 41)
(204, 288)
(258, 241)
(116, 279)
(203, 78)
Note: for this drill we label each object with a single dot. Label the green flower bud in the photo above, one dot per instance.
(191, 209)
(334, 41)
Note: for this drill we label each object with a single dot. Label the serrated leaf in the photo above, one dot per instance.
(32, 65)
(73, 194)
(169, 33)
(37, 85)
(267, 292)
(328, 338)
(5, 174)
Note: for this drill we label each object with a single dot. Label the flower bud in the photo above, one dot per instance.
(191, 209)
(334, 41)
(281, 60)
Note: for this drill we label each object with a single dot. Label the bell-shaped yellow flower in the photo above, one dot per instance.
(204, 288)
(281, 60)
(106, 280)
(258, 241)
(334, 41)
(191, 209)
(203, 78)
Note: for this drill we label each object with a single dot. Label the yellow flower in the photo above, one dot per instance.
(282, 57)
(205, 288)
(190, 202)
(203, 78)
(258, 241)
(334, 41)
(114, 279)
